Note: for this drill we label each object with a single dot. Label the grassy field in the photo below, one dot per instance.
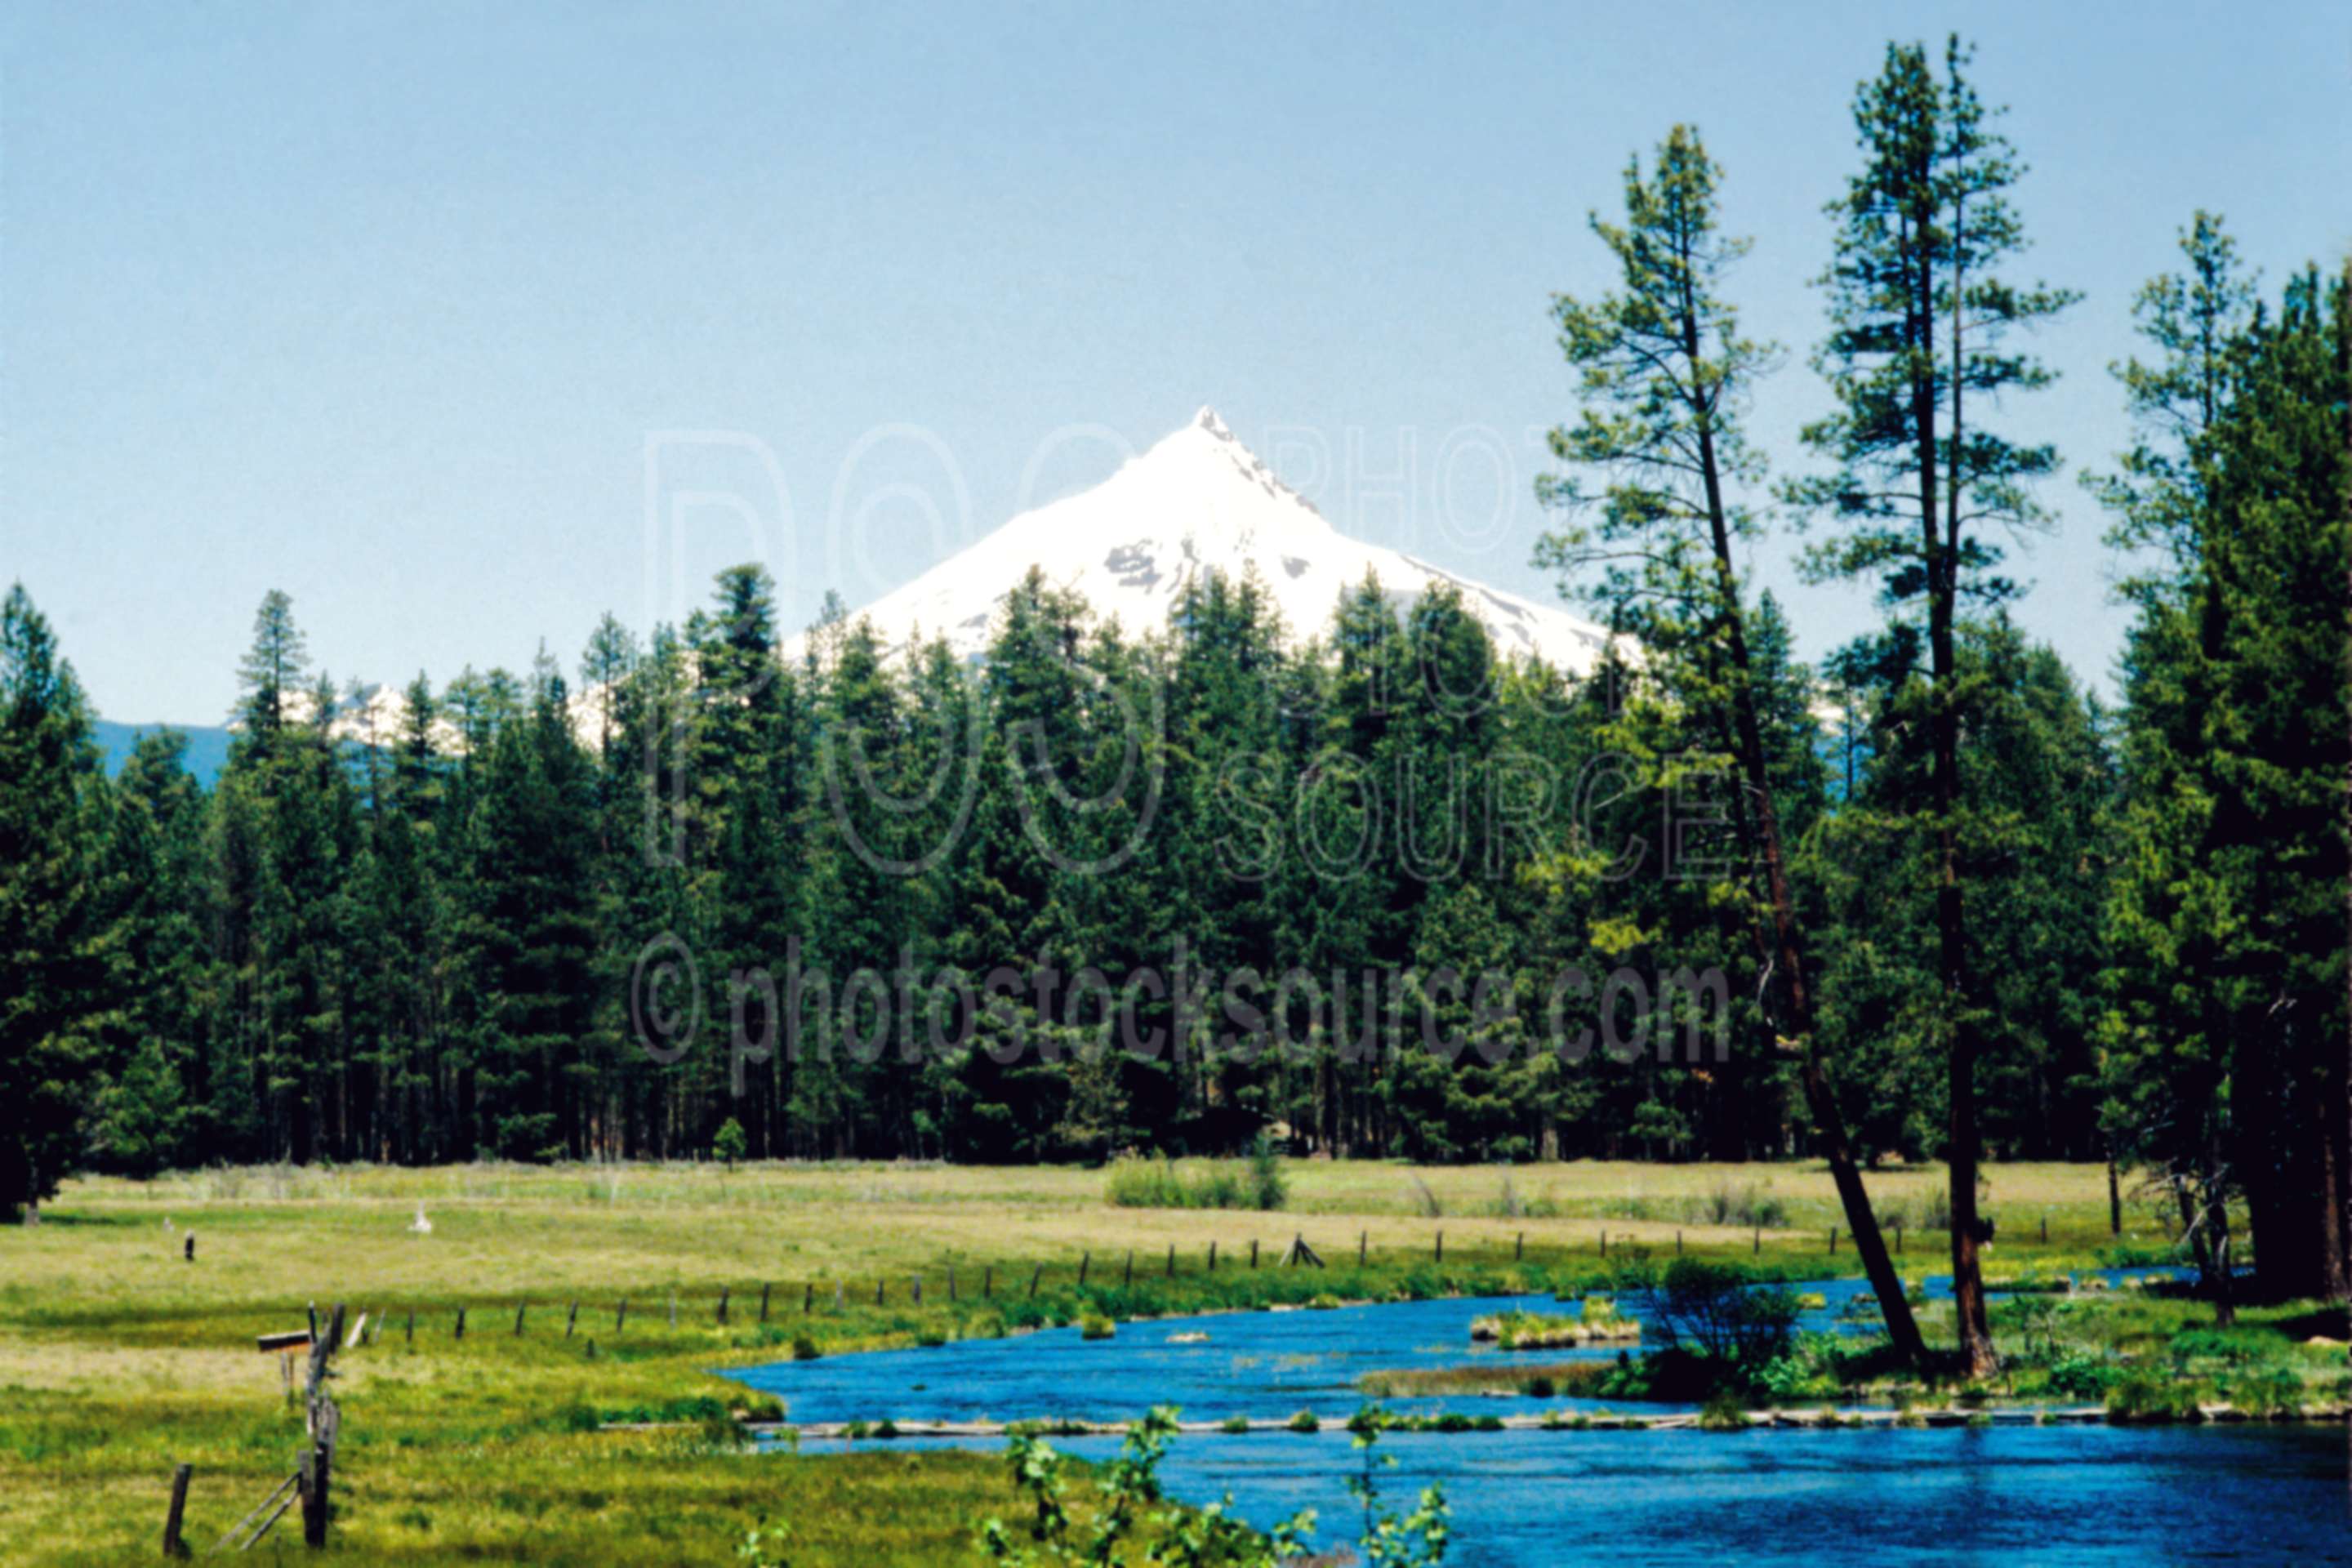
(119, 1358)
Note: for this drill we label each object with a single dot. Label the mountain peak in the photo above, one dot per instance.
(1200, 501)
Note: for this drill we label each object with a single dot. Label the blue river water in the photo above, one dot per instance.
(2009, 1495)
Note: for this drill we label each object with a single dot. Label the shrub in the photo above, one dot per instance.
(1267, 1189)
(1713, 1310)
(1325, 1302)
(1304, 1421)
(1095, 1326)
(2274, 1389)
(729, 1144)
(1750, 1207)
(805, 1348)
(1138, 1183)
(1425, 1202)
(2144, 1398)
(1723, 1413)
(1234, 1424)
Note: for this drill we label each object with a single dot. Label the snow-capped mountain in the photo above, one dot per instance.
(1199, 500)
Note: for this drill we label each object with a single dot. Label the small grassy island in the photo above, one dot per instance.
(1598, 1324)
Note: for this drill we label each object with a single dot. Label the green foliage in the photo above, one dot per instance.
(1132, 1510)
(728, 1144)
(1723, 1413)
(1267, 1190)
(1418, 1538)
(1715, 1310)
(1164, 1184)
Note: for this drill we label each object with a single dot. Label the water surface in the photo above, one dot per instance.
(2008, 1495)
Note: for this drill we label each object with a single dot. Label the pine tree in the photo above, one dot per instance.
(1919, 318)
(55, 1003)
(1666, 371)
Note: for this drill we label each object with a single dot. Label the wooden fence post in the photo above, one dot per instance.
(808, 1297)
(918, 1290)
(1440, 1246)
(519, 1307)
(1253, 1253)
(173, 1545)
(571, 1320)
(1084, 1259)
(1604, 1244)
(1131, 1269)
(2045, 1230)
(1760, 1241)
(1519, 1248)
(412, 1325)
(951, 1285)
(621, 1318)
(988, 1283)
(1035, 1275)
(722, 1306)
(1172, 1261)
(306, 1487)
(1212, 1257)
(763, 1300)
(1363, 1240)
(1832, 1241)
(461, 1322)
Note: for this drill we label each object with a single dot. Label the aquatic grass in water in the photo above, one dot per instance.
(1537, 1331)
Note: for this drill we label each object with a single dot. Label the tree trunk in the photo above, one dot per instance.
(1951, 921)
(1787, 945)
(2335, 1107)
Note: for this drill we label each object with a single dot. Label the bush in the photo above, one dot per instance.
(1714, 1311)
(1095, 1326)
(2145, 1397)
(1723, 1413)
(1234, 1424)
(1136, 1183)
(2077, 1376)
(2274, 1389)
(805, 1348)
(1425, 1201)
(1750, 1207)
(1267, 1189)
(1304, 1421)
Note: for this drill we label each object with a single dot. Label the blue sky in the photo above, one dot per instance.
(381, 305)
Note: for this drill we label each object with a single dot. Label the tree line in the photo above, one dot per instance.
(1962, 906)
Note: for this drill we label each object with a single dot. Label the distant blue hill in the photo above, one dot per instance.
(207, 746)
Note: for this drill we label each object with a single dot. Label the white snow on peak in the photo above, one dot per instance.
(1199, 500)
